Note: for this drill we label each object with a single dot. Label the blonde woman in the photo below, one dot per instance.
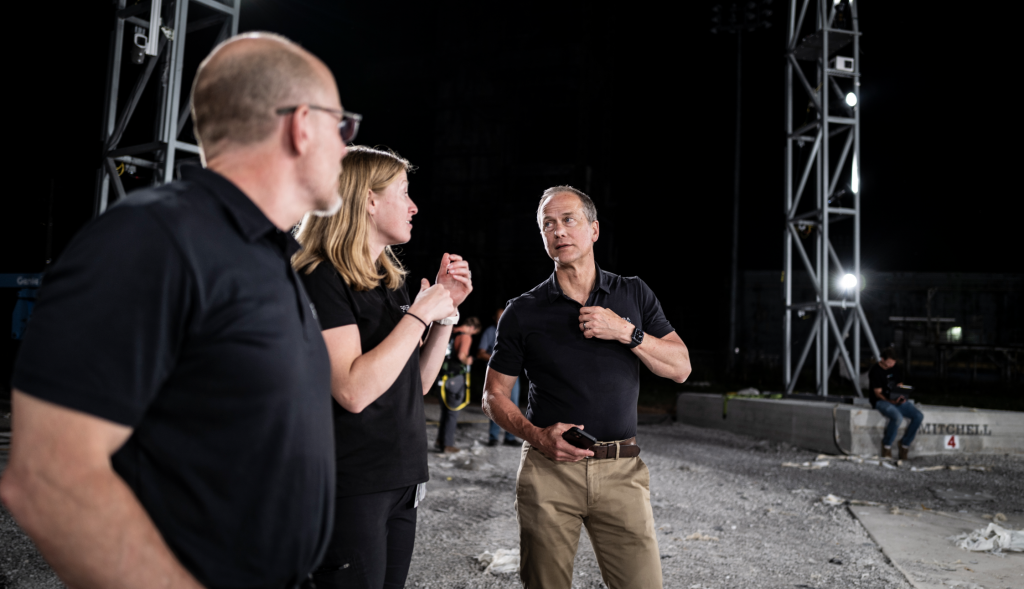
(385, 353)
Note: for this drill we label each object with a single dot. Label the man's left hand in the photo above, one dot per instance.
(605, 324)
(456, 277)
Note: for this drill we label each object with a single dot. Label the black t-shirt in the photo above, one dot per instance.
(880, 378)
(177, 313)
(574, 379)
(385, 446)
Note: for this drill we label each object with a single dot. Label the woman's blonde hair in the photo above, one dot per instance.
(344, 238)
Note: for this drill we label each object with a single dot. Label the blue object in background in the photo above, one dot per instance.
(29, 285)
(22, 312)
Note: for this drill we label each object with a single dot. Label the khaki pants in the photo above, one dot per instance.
(612, 497)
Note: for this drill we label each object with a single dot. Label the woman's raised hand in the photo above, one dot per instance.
(433, 303)
(456, 277)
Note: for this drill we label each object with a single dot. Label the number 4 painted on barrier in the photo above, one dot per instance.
(952, 442)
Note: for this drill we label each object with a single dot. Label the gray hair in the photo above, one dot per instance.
(588, 205)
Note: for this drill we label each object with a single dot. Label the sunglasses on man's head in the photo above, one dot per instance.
(348, 126)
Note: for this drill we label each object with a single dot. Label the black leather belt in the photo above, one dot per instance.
(623, 449)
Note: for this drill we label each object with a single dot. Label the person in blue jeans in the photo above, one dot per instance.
(885, 380)
(484, 353)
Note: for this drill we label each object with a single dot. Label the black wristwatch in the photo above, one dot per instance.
(638, 338)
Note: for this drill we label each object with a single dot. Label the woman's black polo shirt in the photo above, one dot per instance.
(177, 313)
(591, 382)
(384, 447)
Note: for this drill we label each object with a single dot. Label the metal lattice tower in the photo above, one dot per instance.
(827, 178)
(161, 28)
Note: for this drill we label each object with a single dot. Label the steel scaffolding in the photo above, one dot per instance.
(162, 38)
(833, 178)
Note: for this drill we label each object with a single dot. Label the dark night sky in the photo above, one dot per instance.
(496, 104)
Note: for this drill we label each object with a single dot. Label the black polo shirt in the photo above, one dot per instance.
(574, 379)
(177, 313)
(384, 447)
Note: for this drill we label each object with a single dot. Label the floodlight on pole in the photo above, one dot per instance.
(848, 282)
(851, 99)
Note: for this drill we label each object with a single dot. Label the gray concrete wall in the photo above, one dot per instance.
(801, 423)
(814, 425)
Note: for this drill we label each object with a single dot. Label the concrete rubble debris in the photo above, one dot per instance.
(831, 499)
(815, 465)
(477, 448)
(973, 467)
(878, 461)
(993, 539)
(862, 502)
(501, 561)
(835, 500)
(847, 458)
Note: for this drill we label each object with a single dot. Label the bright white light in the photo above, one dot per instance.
(848, 282)
(954, 334)
(855, 177)
(851, 99)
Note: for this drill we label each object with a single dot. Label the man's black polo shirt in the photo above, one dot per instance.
(177, 313)
(573, 379)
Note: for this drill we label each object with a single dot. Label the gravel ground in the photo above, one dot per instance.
(764, 525)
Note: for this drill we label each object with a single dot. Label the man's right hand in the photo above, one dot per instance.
(550, 443)
(433, 303)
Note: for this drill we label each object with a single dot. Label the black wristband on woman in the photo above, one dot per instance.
(425, 326)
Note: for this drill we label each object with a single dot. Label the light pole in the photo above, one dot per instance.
(736, 17)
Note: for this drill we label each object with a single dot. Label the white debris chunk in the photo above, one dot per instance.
(993, 538)
(833, 500)
(807, 465)
(500, 561)
(862, 502)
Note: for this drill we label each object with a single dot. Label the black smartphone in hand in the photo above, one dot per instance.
(579, 438)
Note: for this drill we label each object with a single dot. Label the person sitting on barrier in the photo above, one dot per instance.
(453, 382)
(886, 382)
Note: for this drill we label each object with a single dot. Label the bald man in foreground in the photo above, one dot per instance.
(171, 404)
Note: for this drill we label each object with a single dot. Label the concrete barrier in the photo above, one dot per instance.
(833, 428)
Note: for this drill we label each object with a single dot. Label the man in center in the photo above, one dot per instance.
(580, 336)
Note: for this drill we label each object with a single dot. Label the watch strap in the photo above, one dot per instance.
(450, 320)
(637, 339)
